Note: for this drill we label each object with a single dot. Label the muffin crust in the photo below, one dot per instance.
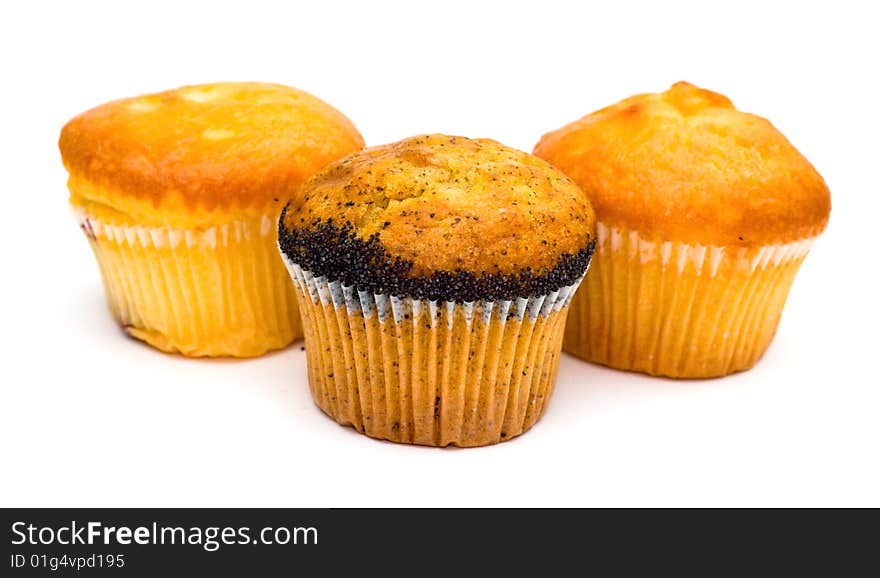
(202, 147)
(686, 166)
(441, 217)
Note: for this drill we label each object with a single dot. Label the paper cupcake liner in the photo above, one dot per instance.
(217, 291)
(680, 310)
(427, 372)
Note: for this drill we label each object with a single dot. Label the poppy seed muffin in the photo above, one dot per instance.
(705, 214)
(434, 275)
(179, 192)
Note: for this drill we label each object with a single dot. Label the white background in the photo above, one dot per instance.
(90, 418)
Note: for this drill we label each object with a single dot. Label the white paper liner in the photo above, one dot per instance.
(706, 258)
(160, 237)
(216, 291)
(430, 372)
(327, 292)
(679, 309)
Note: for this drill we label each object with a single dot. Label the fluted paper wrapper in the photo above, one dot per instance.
(216, 291)
(427, 372)
(680, 310)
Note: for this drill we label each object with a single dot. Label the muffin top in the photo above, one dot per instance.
(686, 166)
(226, 144)
(441, 217)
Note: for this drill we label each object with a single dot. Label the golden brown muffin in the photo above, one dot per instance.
(434, 276)
(705, 214)
(178, 193)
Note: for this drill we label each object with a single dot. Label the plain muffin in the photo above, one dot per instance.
(705, 214)
(179, 192)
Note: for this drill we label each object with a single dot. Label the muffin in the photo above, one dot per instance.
(705, 214)
(434, 276)
(179, 194)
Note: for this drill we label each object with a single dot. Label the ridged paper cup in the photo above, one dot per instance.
(214, 291)
(677, 309)
(427, 372)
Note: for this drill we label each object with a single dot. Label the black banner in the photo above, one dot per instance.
(259, 542)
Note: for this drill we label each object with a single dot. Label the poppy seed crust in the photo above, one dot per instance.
(334, 251)
(446, 203)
